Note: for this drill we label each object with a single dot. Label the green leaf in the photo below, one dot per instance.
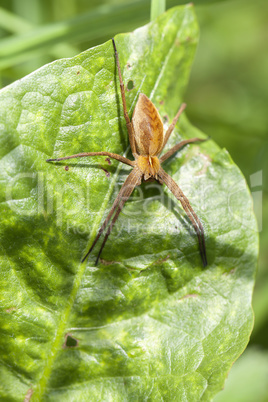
(148, 323)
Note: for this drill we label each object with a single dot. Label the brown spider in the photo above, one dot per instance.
(147, 141)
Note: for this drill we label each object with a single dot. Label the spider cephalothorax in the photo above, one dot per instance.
(147, 140)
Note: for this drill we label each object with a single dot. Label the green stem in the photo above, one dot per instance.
(158, 7)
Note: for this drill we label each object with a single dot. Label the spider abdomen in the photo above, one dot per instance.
(148, 127)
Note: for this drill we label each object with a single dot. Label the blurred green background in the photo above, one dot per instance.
(227, 98)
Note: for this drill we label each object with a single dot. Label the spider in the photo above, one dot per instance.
(147, 140)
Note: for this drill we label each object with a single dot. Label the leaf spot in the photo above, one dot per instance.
(107, 174)
(232, 271)
(130, 85)
(108, 160)
(105, 262)
(207, 161)
(70, 341)
(28, 395)
(66, 168)
(165, 119)
(189, 295)
(9, 310)
(161, 260)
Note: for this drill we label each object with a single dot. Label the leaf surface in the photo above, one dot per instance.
(148, 323)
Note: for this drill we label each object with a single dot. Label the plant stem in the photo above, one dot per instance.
(157, 8)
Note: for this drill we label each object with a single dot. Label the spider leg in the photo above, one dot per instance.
(131, 181)
(110, 154)
(175, 189)
(119, 209)
(122, 88)
(172, 125)
(178, 146)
